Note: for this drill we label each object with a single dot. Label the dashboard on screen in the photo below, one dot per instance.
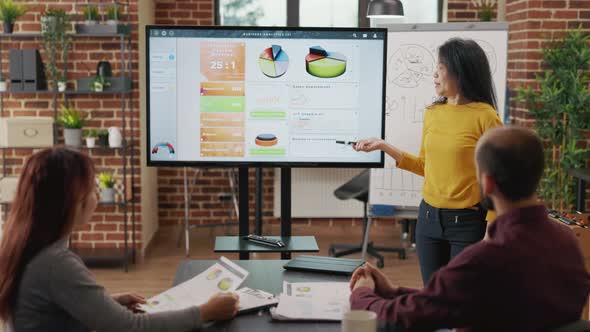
(264, 96)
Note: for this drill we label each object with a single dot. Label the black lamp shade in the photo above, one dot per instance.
(385, 8)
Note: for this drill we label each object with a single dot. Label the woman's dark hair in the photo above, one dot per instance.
(52, 184)
(468, 64)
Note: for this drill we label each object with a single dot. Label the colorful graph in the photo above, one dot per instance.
(163, 145)
(273, 61)
(324, 64)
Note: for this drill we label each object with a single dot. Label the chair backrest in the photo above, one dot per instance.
(578, 326)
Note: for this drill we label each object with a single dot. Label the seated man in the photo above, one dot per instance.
(528, 276)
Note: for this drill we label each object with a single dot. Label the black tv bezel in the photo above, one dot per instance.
(181, 163)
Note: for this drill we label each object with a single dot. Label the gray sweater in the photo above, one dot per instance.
(58, 293)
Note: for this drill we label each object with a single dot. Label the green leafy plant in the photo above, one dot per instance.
(114, 13)
(56, 42)
(485, 9)
(10, 11)
(106, 180)
(70, 118)
(99, 80)
(91, 133)
(102, 132)
(90, 13)
(561, 108)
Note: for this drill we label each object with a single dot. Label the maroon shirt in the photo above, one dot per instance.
(529, 276)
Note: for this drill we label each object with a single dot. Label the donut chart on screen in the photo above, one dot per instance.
(325, 64)
(273, 61)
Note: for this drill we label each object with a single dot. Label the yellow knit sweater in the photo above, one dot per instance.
(446, 158)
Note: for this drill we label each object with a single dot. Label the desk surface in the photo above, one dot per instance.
(267, 275)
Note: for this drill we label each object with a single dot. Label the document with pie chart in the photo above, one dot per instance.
(325, 64)
(274, 61)
(223, 276)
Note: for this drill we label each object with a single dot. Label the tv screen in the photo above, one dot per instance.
(220, 96)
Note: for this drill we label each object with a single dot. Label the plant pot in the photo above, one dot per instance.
(90, 22)
(90, 142)
(73, 137)
(48, 24)
(3, 86)
(112, 22)
(107, 195)
(8, 27)
(61, 86)
(103, 140)
(98, 87)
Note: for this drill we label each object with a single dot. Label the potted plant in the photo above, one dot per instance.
(91, 135)
(90, 14)
(561, 108)
(107, 186)
(73, 123)
(9, 12)
(99, 83)
(55, 24)
(61, 83)
(103, 137)
(53, 19)
(485, 9)
(113, 15)
(2, 84)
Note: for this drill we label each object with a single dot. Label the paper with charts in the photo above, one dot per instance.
(411, 62)
(313, 301)
(223, 276)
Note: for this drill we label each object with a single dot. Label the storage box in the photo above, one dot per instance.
(8, 188)
(26, 132)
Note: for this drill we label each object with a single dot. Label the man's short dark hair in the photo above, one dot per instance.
(515, 161)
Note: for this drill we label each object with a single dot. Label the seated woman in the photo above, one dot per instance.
(44, 286)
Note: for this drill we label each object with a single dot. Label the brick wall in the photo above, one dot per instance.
(103, 111)
(462, 11)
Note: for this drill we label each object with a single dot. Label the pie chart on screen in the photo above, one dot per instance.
(324, 64)
(273, 61)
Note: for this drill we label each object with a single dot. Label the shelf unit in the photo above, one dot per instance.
(127, 152)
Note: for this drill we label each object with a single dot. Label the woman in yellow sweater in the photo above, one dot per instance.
(451, 216)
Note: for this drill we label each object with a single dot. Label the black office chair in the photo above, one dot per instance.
(358, 188)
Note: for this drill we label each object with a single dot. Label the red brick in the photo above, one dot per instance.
(92, 237)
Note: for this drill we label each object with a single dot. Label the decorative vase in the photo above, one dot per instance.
(61, 86)
(73, 137)
(107, 195)
(48, 24)
(103, 69)
(115, 138)
(3, 86)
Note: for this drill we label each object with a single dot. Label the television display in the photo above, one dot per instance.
(220, 96)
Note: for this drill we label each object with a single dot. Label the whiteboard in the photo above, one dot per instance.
(411, 61)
